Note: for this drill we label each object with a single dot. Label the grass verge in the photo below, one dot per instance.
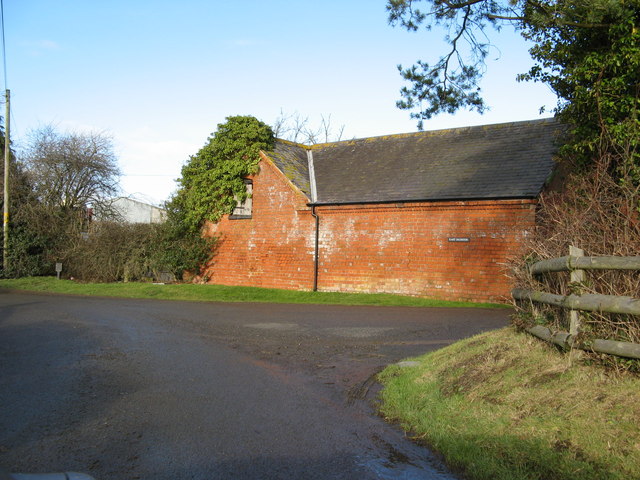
(220, 293)
(503, 405)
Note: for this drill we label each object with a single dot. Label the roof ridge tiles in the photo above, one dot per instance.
(293, 144)
(441, 131)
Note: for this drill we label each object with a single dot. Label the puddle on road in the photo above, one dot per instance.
(414, 463)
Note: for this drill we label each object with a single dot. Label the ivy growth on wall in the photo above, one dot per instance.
(212, 179)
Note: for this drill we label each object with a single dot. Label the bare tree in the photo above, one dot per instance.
(296, 128)
(72, 170)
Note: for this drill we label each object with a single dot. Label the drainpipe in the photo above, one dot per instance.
(316, 249)
(314, 199)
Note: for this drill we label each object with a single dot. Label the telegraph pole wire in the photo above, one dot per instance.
(4, 49)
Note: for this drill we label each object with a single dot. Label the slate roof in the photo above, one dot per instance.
(511, 160)
(291, 159)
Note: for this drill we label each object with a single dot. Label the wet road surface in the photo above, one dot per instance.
(142, 389)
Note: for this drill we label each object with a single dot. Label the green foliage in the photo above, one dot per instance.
(586, 51)
(47, 228)
(592, 61)
(453, 81)
(117, 251)
(53, 184)
(35, 231)
(210, 185)
(27, 252)
(212, 179)
(41, 235)
(178, 249)
(106, 251)
(111, 252)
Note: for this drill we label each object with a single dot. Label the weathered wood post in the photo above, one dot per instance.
(577, 278)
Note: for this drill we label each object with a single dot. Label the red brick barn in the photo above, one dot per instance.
(434, 214)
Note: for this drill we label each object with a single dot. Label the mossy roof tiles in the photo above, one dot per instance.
(510, 160)
(291, 159)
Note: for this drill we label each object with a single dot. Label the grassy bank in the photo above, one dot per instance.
(503, 405)
(220, 293)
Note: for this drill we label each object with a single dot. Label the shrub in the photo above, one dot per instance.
(598, 211)
(115, 251)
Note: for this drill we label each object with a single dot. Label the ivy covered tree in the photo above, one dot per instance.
(210, 185)
(212, 179)
(586, 51)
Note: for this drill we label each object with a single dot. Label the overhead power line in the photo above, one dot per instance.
(4, 49)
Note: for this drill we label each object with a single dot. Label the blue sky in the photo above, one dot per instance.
(158, 76)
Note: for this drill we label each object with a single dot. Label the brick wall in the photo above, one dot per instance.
(275, 247)
(411, 248)
(396, 248)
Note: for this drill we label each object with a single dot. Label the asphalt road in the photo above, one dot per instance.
(142, 389)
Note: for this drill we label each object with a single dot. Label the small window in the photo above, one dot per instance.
(243, 209)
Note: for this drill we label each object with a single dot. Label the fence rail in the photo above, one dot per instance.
(576, 263)
(570, 262)
(591, 302)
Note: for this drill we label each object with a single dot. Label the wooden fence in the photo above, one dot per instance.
(576, 263)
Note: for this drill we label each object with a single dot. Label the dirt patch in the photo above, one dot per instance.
(545, 377)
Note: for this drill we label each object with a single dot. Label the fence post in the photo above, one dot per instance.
(577, 278)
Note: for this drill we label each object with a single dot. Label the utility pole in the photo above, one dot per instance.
(7, 155)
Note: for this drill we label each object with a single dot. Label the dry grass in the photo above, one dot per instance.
(504, 405)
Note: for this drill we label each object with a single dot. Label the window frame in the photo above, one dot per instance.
(244, 206)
